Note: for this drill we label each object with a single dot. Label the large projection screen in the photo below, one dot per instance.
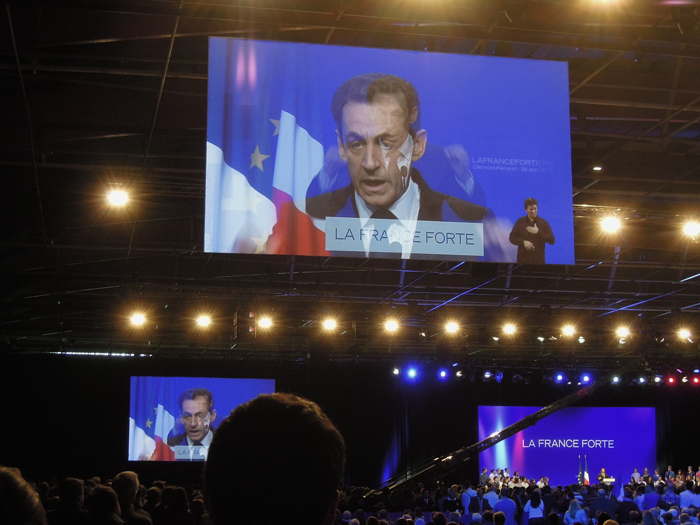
(356, 152)
(564, 443)
(175, 418)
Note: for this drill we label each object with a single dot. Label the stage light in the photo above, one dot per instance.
(615, 380)
(658, 379)
(442, 374)
(559, 377)
(691, 229)
(451, 327)
(396, 371)
(329, 324)
(696, 380)
(597, 168)
(391, 325)
(585, 379)
(568, 330)
(487, 374)
(684, 379)
(117, 198)
(498, 377)
(496, 338)
(581, 339)
(540, 339)
(137, 319)
(622, 332)
(641, 380)
(684, 334)
(203, 321)
(265, 322)
(459, 373)
(610, 224)
(412, 373)
(671, 380)
(696, 371)
(509, 329)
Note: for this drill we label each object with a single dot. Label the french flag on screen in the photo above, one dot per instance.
(150, 422)
(262, 153)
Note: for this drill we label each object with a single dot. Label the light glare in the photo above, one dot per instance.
(691, 229)
(510, 329)
(265, 322)
(117, 198)
(622, 332)
(391, 325)
(610, 224)
(684, 333)
(451, 327)
(568, 330)
(203, 320)
(137, 319)
(329, 324)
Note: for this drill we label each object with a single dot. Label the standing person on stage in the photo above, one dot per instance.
(636, 476)
(530, 233)
(669, 474)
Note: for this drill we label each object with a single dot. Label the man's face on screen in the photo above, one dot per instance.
(375, 143)
(532, 211)
(197, 417)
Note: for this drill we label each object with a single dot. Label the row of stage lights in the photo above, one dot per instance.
(392, 325)
(610, 224)
(444, 374)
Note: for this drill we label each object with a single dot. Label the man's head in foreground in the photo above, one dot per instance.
(276, 456)
(198, 413)
(376, 116)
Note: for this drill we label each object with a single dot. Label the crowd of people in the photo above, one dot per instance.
(279, 459)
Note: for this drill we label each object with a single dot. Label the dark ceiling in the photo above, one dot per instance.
(98, 92)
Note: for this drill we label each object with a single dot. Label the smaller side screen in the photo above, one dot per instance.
(175, 418)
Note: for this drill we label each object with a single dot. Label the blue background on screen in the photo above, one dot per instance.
(632, 428)
(510, 117)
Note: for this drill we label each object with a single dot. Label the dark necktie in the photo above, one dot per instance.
(382, 213)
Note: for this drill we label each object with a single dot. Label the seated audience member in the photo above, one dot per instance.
(279, 453)
(152, 499)
(126, 485)
(19, 502)
(70, 509)
(626, 506)
(103, 506)
(499, 518)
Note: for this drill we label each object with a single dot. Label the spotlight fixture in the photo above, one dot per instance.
(458, 373)
(412, 373)
(568, 330)
(641, 380)
(442, 374)
(684, 379)
(509, 329)
(496, 338)
(658, 379)
(540, 339)
(597, 168)
(559, 377)
(488, 374)
(691, 229)
(610, 224)
(137, 319)
(622, 332)
(695, 380)
(581, 339)
(615, 380)
(265, 322)
(396, 371)
(585, 379)
(684, 334)
(203, 321)
(117, 197)
(329, 324)
(671, 380)
(391, 325)
(451, 327)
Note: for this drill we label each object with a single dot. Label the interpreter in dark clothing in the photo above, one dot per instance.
(530, 233)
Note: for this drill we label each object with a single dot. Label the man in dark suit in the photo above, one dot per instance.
(530, 233)
(197, 416)
(379, 139)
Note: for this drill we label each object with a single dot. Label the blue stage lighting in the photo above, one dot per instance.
(559, 377)
(442, 374)
(585, 379)
(487, 374)
(499, 377)
(615, 380)
(412, 373)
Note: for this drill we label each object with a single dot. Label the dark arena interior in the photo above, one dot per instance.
(101, 297)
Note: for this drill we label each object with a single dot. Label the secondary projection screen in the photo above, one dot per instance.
(174, 418)
(615, 438)
(348, 151)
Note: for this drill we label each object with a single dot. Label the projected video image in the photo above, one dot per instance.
(175, 418)
(344, 151)
(573, 444)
